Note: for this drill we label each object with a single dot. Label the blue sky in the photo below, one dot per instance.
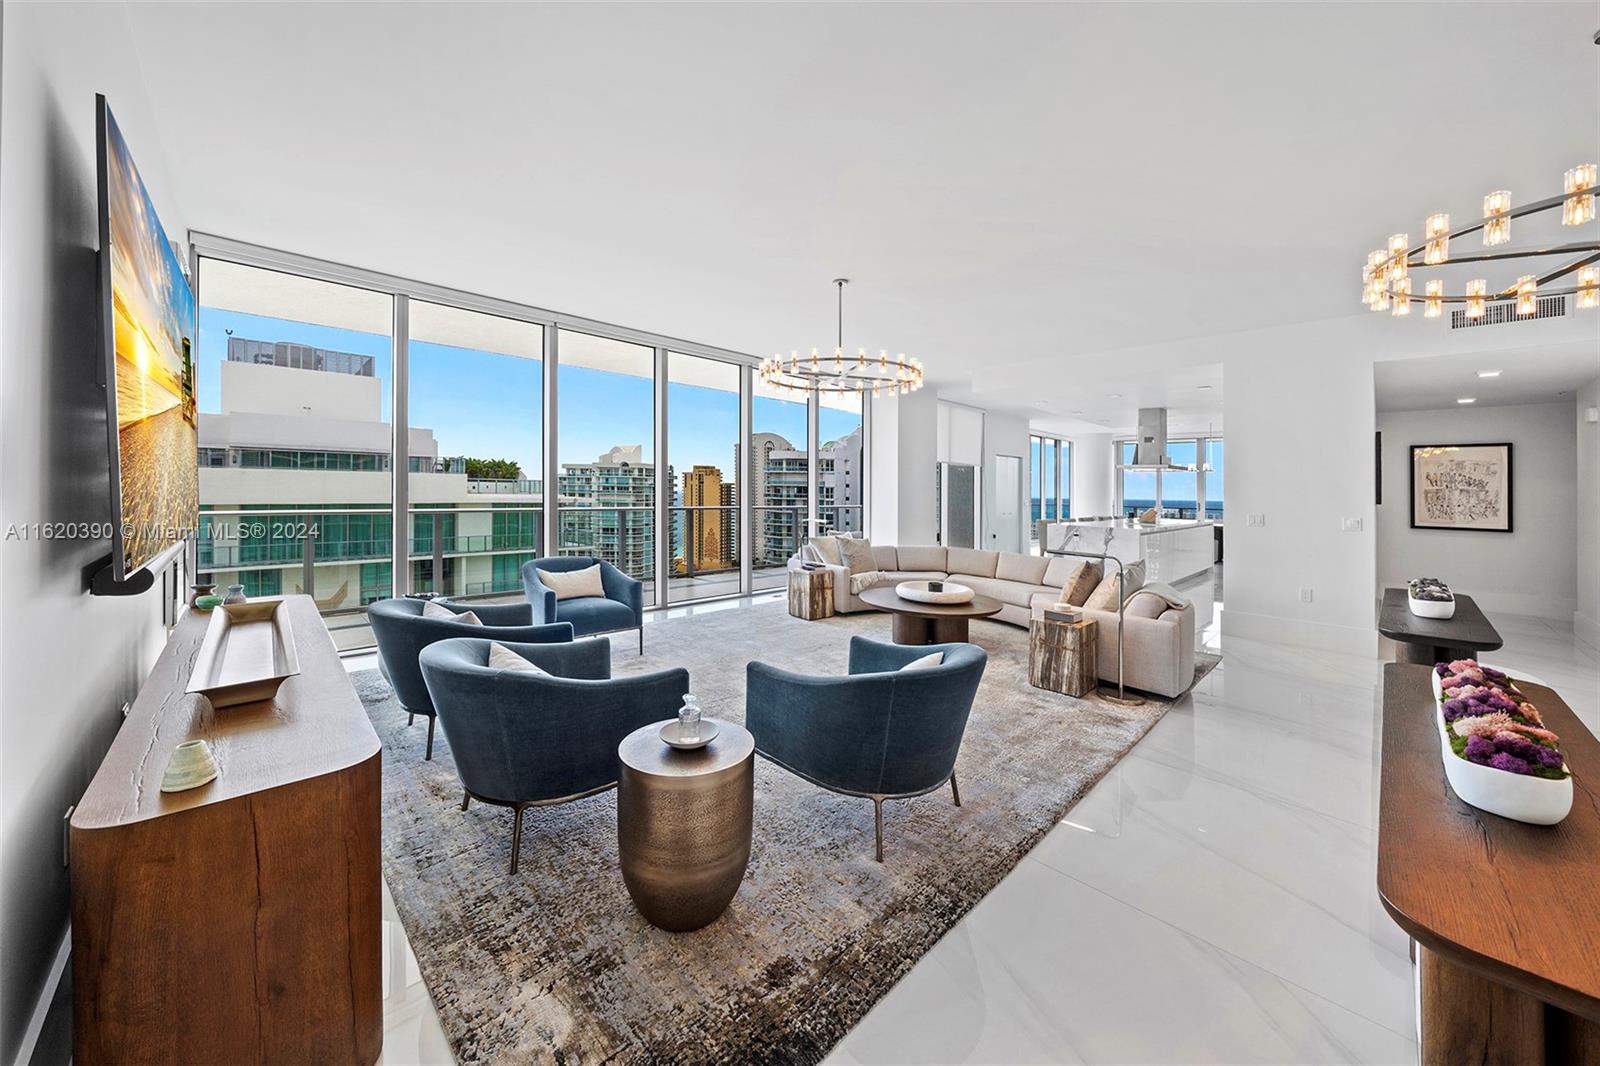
(489, 406)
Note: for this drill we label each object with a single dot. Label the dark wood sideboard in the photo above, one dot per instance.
(240, 921)
(1502, 914)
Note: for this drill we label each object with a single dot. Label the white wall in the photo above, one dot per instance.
(905, 435)
(1094, 489)
(1586, 614)
(1005, 434)
(67, 661)
(1531, 570)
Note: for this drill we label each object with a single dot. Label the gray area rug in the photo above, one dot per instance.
(555, 964)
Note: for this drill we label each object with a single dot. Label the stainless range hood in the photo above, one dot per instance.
(1150, 446)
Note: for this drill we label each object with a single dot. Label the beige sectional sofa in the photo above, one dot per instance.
(1158, 651)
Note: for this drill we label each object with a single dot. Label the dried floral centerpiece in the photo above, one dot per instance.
(1498, 753)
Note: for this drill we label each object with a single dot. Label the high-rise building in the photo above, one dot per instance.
(299, 451)
(779, 472)
(707, 528)
(608, 510)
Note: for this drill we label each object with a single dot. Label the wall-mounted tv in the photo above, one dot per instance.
(148, 327)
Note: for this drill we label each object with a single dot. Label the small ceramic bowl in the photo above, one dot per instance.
(189, 766)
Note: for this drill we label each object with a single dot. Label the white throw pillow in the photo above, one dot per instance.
(927, 662)
(503, 658)
(856, 553)
(827, 549)
(573, 584)
(445, 614)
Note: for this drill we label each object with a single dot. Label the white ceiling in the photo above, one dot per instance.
(1003, 183)
(1549, 374)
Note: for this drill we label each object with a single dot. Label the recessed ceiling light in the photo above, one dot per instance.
(1488, 373)
(1202, 387)
(1466, 399)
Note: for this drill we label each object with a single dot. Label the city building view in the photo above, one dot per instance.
(296, 476)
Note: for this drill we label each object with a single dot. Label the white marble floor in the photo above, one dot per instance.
(1212, 899)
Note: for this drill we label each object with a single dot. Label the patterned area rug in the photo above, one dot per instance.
(555, 964)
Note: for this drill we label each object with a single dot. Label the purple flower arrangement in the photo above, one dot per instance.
(1491, 723)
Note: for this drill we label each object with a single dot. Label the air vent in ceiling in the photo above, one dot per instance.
(1506, 311)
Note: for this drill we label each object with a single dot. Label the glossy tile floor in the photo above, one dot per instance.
(1212, 899)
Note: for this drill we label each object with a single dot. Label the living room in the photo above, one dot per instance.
(555, 532)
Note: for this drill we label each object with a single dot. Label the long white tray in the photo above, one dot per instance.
(248, 651)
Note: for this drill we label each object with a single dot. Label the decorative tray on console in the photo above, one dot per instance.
(247, 653)
(919, 592)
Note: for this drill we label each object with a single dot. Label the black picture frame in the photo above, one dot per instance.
(1505, 448)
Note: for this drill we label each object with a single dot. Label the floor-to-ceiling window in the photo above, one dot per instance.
(1049, 481)
(293, 376)
(780, 465)
(1213, 475)
(703, 453)
(476, 466)
(839, 473)
(606, 508)
(1180, 489)
(1137, 487)
(1195, 491)
(500, 409)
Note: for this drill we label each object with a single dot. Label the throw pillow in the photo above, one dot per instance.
(926, 662)
(856, 553)
(1080, 583)
(828, 549)
(445, 614)
(1104, 597)
(573, 584)
(503, 658)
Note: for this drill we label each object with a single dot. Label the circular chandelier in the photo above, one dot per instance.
(1387, 284)
(839, 371)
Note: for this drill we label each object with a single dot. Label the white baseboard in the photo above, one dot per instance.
(47, 996)
(1323, 636)
(1586, 629)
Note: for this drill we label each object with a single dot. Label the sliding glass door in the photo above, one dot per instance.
(294, 379)
(475, 402)
(703, 453)
(1050, 482)
(606, 498)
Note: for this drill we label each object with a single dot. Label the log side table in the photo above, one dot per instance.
(1061, 656)
(811, 593)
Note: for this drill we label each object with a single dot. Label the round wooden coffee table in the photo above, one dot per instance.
(930, 623)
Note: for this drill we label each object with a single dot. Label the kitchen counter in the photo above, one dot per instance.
(1172, 548)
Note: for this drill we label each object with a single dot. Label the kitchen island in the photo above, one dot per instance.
(1172, 548)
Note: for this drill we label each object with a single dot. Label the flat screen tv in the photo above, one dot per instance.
(148, 326)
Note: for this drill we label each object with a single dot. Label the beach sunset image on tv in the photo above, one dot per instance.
(152, 324)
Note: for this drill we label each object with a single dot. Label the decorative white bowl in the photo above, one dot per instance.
(1431, 608)
(1520, 797)
(189, 766)
(917, 591)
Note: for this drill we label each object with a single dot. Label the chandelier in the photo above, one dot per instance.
(839, 371)
(1387, 284)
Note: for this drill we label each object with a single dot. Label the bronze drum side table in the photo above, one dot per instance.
(683, 823)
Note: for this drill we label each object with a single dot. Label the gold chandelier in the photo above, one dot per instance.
(838, 371)
(1386, 282)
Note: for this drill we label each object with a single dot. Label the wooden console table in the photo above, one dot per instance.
(239, 921)
(1435, 640)
(1502, 914)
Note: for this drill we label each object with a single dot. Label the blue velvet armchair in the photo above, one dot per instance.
(622, 607)
(525, 740)
(876, 732)
(402, 632)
